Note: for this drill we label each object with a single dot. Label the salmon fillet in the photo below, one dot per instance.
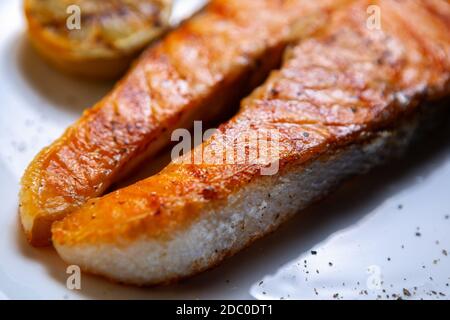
(198, 71)
(343, 102)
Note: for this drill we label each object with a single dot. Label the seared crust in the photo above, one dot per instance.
(335, 93)
(198, 71)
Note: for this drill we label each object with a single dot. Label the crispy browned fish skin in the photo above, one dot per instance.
(334, 92)
(207, 64)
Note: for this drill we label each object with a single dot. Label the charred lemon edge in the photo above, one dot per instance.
(90, 61)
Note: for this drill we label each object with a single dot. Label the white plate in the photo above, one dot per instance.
(361, 230)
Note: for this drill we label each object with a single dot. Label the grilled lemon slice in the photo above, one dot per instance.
(102, 40)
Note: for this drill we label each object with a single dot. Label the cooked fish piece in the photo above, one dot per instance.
(197, 72)
(91, 38)
(342, 103)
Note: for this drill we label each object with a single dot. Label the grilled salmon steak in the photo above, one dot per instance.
(343, 101)
(198, 71)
